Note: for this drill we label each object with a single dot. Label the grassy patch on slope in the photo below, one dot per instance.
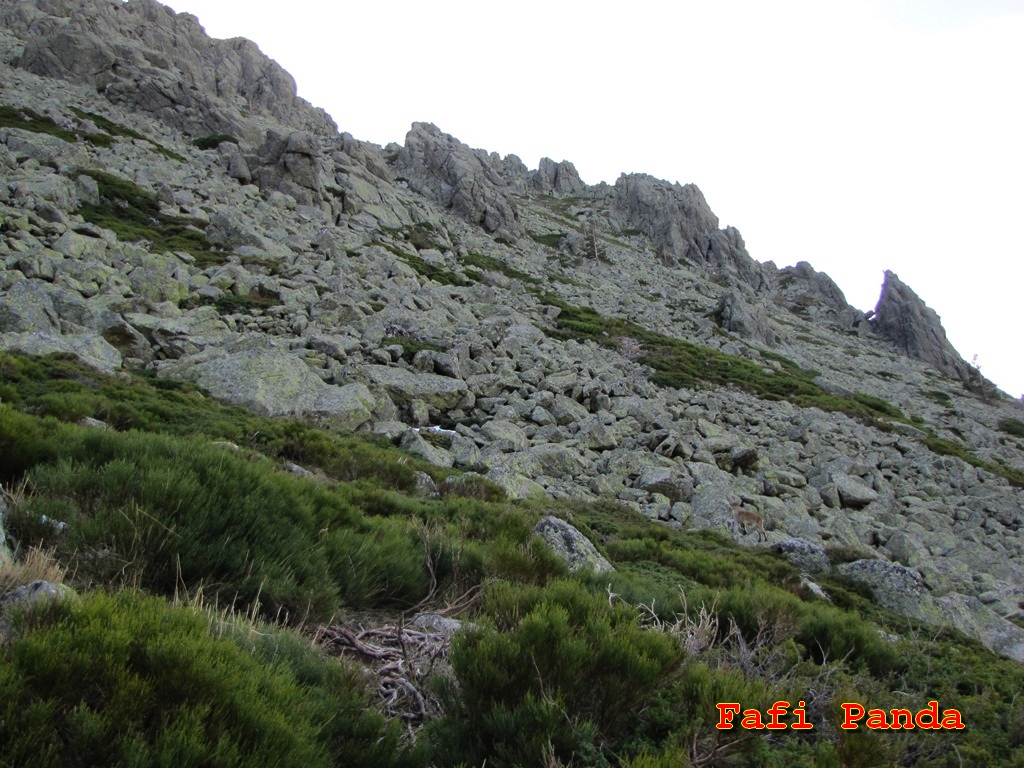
(679, 363)
(133, 214)
(29, 120)
(566, 668)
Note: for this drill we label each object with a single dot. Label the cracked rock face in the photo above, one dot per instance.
(905, 320)
(444, 169)
(147, 58)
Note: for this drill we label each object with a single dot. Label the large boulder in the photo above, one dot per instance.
(292, 163)
(972, 617)
(91, 349)
(27, 307)
(808, 557)
(738, 316)
(572, 546)
(853, 492)
(895, 587)
(274, 383)
(548, 459)
(516, 486)
(440, 392)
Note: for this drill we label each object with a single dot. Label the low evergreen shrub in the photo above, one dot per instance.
(129, 680)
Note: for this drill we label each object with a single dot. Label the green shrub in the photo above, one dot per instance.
(128, 680)
(550, 239)
(114, 129)
(164, 512)
(133, 214)
(944, 447)
(1013, 427)
(565, 671)
(29, 120)
(481, 261)
(410, 346)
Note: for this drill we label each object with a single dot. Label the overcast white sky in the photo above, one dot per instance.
(857, 135)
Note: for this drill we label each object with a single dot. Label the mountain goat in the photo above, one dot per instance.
(744, 516)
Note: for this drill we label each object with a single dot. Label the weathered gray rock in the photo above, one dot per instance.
(905, 320)
(504, 436)
(556, 179)
(971, 617)
(815, 295)
(273, 383)
(905, 549)
(35, 593)
(404, 386)
(805, 555)
(572, 546)
(672, 484)
(853, 492)
(414, 443)
(713, 501)
(895, 587)
(736, 315)
(450, 173)
(291, 163)
(26, 307)
(551, 460)
(682, 226)
(143, 56)
(516, 486)
(91, 349)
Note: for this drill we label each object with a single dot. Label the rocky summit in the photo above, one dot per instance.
(169, 205)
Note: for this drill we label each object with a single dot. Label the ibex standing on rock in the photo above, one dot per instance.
(744, 516)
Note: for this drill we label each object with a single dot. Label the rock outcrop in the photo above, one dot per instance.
(558, 179)
(445, 170)
(682, 227)
(145, 58)
(905, 320)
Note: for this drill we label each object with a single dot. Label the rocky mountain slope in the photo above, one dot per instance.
(169, 204)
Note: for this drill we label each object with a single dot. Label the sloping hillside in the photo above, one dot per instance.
(273, 394)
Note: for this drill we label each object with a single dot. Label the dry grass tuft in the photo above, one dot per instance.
(35, 565)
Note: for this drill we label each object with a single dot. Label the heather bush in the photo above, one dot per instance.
(132, 681)
(563, 670)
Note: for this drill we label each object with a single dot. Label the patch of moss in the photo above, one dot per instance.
(254, 301)
(428, 270)
(133, 214)
(481, 261)
(938, 396)
(945, 447)
(550, 239)
(115, 129)
(29, 120)
(678, 363)
(1013, 427)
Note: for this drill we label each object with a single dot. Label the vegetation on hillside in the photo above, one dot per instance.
(133, 214)
(182, 497)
